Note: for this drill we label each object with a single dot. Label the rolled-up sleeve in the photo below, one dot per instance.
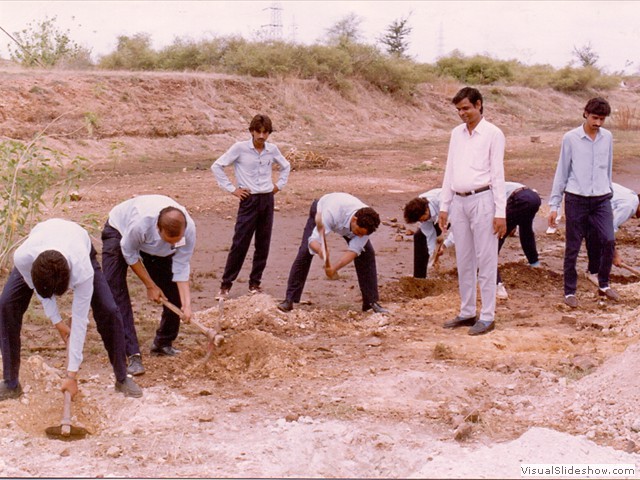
(219, 165)
(285, 169)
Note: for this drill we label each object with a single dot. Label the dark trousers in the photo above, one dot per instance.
(159, 269)
(14, 302)
(365, 265)
(593, 217)
(255, 216)
(421, 252)
(522, 207)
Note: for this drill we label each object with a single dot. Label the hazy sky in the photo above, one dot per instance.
(530, 31)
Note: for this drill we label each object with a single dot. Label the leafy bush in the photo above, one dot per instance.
(27, 173)
(569, 80)
(44, 45)
(132, 53)
(476, 70)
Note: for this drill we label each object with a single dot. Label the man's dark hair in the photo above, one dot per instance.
(50, 274)
(368, 219)
(172, 221)
(597, 106)
(473, 94)
(259, 123)
(415, 208)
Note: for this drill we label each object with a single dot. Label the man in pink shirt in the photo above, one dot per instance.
(473, 191)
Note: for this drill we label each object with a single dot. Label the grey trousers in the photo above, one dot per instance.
(476, 252)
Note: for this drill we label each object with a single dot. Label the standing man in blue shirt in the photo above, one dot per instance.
(625, 204)
(252, 162)
(583, 176)
(155, 236)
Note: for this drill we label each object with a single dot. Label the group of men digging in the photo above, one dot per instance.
(155, 236)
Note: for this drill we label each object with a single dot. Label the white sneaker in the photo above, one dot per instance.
(501, 292)
(592, 277)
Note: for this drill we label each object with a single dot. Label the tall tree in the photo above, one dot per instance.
(43, 44)
(396, 37)
(345, 30)
(586, 55)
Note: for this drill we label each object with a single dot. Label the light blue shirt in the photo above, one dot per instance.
(74, 243)
(585, 166)
(337, 210)
(624, 205)
(137, 221)
(251, 168)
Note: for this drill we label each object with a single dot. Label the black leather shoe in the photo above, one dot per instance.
(610, 293)
(285, 306)
(166, 351)
(460, 322)
(480, 327)
(7, 393)
(376, 307)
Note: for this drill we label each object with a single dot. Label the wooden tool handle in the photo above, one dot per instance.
(172, 307)
(631, 269)
(65, 424)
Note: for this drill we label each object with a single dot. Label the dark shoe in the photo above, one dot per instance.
(481, 327)
(285, 306)
(253, 289)
(129, 388)
(610, 293)
(223, 294)
(7, 393)
(571, 300)
(135, 366)
(460, 322)
(376, 307)
(166, 351)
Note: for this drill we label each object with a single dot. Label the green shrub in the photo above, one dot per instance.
(27, 173)
(44, 45)
(570, 80)
(476, 70)
(132, 53)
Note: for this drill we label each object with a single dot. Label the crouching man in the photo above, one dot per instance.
(56, 256)
(347, 216)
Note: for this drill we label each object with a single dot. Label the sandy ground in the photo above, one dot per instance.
(327, 390)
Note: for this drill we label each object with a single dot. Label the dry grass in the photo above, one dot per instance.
(308, 160)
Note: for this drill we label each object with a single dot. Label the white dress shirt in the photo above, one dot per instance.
(475, 161)
(137, 221)
(74, 243)
(624, 204)
(252, 169)
(337, 210)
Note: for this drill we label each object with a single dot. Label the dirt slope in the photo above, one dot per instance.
(326, 390)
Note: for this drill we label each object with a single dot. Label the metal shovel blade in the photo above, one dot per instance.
(59, 432)
(66, 431)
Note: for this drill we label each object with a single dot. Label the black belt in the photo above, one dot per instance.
(473, 192)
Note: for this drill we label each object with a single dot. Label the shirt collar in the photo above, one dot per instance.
(479, 128)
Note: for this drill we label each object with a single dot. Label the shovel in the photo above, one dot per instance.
(631, 269)
(66, 431)
(215, 338)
